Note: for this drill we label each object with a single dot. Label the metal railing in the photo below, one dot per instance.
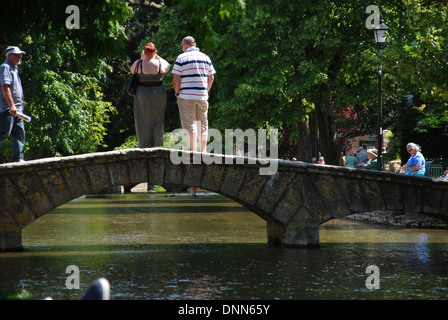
(438, 166)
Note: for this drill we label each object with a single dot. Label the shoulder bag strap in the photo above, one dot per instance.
(159, 67)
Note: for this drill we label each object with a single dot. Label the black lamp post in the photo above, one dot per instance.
(380, 38)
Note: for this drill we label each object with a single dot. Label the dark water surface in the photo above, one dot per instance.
(174, 246)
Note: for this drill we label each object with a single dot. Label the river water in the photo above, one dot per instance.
(171, 246)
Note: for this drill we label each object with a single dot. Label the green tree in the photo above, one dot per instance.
(295, 65)
(139, 26)
(64, 98)
(164, 24)
(418, 65)
(289, 66)
(64, 70)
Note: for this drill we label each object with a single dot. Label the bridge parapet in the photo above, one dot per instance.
(294, 200)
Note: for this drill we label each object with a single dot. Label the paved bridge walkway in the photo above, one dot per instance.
(293, 201)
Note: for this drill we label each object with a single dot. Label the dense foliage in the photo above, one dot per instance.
(308, 68)
(64, 71)
(418, 63)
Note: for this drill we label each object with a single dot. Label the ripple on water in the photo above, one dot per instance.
(154, 247)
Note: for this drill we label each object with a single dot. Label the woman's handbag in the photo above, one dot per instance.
(131, 88)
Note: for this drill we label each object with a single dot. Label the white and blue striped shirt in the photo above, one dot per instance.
(194, 67)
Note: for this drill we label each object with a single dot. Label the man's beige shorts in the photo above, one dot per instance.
(193, 113)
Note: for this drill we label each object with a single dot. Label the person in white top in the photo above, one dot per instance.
(193, 76)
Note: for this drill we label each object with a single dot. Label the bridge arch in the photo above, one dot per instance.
(294, 200)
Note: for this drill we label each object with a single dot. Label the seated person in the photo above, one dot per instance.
(416, 163)
(351, 159)
(361, 155)
(444, 176)
(372, 156)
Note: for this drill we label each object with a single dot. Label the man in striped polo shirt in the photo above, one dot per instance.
(193, 76)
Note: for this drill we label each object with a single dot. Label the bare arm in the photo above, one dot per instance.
(133, 67)
(211, 78)
(176, 83)
(412, 168)
(8, 97)
(165, 65)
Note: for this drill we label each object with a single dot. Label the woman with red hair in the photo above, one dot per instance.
(150, 98)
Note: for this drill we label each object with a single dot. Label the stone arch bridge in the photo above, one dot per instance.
(293, 201)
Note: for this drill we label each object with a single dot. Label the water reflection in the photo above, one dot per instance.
(422, 250)
(154, 246)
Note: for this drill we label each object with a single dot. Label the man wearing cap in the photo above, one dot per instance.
(12, 102)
